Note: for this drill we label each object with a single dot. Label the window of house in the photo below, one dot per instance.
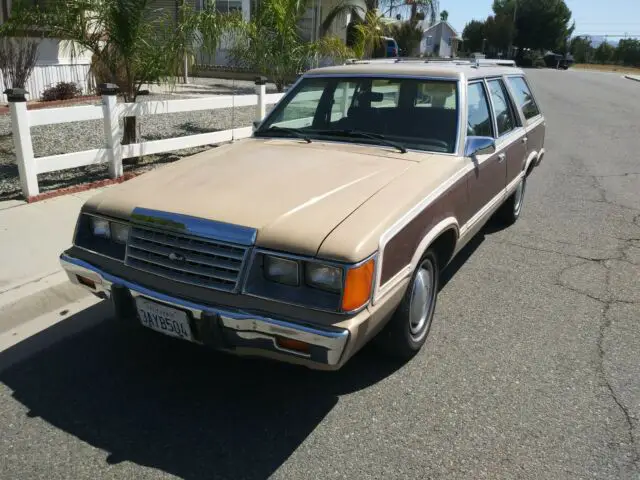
(228, 6)
(502, 106)
(479, 115)
(524, 97)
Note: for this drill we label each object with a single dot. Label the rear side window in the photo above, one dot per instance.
(479, 117)
(502, 107)
(524, 97)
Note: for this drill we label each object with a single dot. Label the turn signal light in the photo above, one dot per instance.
(86, 282)
(295, 345)
(357, 288)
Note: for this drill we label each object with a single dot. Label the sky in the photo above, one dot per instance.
(594, 17)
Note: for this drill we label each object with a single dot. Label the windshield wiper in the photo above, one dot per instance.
(381, 139)
(291, 131)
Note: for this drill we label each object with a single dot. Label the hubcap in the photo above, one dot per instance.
(517, 204)
(421, 300)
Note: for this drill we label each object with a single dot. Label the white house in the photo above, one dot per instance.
(57, 62)
(440, 40)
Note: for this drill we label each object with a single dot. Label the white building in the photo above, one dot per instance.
(57, 62)
(440, 40)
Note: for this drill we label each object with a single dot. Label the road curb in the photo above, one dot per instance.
(32, 301)
(14, 293)
(47, 329)
(635, 78)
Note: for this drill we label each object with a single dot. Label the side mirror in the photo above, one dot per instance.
(256, 124)
(479, 146)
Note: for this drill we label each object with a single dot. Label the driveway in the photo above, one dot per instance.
(531, 369)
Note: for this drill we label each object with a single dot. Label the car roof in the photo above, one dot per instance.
(454, 70)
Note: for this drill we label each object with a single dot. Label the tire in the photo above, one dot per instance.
(510, 210)
(409, 327)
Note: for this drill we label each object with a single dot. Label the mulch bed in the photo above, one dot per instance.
(82, 187)
(36, 104)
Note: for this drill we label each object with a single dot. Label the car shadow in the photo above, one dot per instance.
(174, 406)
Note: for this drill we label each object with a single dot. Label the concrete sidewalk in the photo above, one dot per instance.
(32, 237)
(35, 293)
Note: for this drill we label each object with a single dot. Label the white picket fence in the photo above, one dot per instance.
(111, 112)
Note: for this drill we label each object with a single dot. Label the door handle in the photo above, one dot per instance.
(525, 139)
(502, 157)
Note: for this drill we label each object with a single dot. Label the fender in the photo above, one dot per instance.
(449, 223)
(540, 157)
(532, 156)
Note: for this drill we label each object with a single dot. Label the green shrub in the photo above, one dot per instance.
(61, 91)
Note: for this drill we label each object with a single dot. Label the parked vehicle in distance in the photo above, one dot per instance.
(331, 226)
(388, 48)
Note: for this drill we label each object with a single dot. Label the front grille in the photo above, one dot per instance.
(198, 261)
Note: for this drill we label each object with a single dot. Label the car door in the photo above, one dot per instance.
(487, 179)
(511, 137)
(534, 123)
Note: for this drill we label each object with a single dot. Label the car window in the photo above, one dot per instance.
(479, 115)
(434, 94)
(385, 93)
(502, 107)
(302, 107)
(418, 114)
(342, 97)
(524, 97)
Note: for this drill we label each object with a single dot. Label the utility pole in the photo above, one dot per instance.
(515, 16)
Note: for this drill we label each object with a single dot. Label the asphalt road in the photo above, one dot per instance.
(532, 368)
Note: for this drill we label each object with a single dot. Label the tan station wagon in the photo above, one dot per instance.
(331, 225)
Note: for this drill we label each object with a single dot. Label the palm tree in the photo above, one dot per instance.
(428, 9)
(271, 43)
(346, 7)
(132, 43)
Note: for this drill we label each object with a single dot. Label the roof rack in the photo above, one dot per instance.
(473, 62)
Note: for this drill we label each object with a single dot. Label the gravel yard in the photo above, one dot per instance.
(86, 135)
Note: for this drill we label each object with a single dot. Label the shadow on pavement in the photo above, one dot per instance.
(178, 407)
(174, 406)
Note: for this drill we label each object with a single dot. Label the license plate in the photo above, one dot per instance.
(163, 319)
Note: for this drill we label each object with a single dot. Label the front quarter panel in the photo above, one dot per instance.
(431, 196)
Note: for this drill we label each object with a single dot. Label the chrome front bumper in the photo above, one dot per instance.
(254, 330)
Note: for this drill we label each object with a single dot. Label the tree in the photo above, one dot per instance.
(444, 16)
(131, 42)
(271, 43)
(581, 49)
(498, 30)
(473, 36)
(540, 24)
(348, 7)
(604, 53)
(427, 8)
(18, 58)
(408, 36)
(628, 52)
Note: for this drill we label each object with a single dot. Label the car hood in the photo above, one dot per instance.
(294, 194)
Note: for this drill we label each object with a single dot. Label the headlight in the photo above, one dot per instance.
(281, 270)
(100, 227)
(119, 232)
(323, 277)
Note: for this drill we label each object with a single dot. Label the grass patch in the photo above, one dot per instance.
(607, 68)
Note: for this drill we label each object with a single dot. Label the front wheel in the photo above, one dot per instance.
(409, 326)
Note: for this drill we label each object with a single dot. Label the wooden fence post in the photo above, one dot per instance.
(21, 132)
(261, 91)
(112, 130)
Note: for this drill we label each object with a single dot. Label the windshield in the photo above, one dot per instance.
(414, 113)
